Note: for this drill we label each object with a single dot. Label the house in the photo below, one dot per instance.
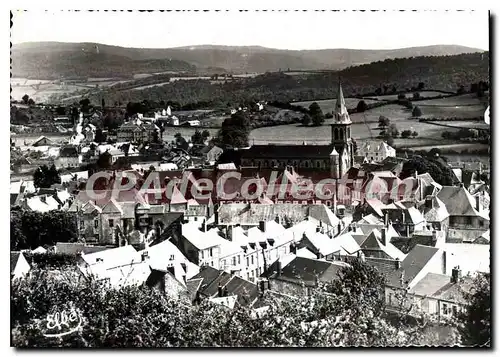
(211, 153)
(420, 261)
(300, 275)
(19, 266)
(263, 245)
(376, 150)
(121, 266)
(166, 282)
(68, 157)
(41, 203)
(321, 245)
(468, 218)
(378, 244)
(199, 245)
(165, 256)
(137, 131)
(435, 213)
(439, 294)
(124, 217)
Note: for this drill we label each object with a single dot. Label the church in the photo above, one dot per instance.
(337, 157)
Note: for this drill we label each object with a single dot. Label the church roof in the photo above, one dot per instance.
(340, 108)
(287, 151)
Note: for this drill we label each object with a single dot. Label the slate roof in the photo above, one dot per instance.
(458, 201)
(246, 291)
(193, 286)
(306, 270)
(287, 151)
(383, 266)
(414, 262)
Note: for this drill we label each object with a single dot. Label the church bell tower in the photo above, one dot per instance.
(341, 134)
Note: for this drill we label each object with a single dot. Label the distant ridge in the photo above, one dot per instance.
(50, 59)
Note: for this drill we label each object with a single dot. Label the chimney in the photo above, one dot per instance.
(262, 226)
(318, 255)
(415, 174)
(226, 292)
(456, 274)
(397, 263)
(429, 204)
(144, 256)
(216, 216)
(278, 268)
(478, 203)
(318, 228)
(384, 236)
(461, 185)
(219, 290)
(386, 219)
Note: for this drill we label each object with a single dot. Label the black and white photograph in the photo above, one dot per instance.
(250, 179)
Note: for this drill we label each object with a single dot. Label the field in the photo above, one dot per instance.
(423, 94)
(463, 106)
(328, 105)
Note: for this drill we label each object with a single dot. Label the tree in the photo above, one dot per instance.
(197, 138)
(329, 115)
(181, 142)
(306, 120)
(475, 327)
(383, 122)
(31, 229)
(31, 101)
(401, 96)
(389, 140)
(421, 85)
(45, 177)
(434, 152)
(416, 112)
(414, 134)
(85, 105)
(206, 134)
(235, 131)
(405, 134)
(361, 107)
(103, 103)
(416, 95)
(461, 90)
(316, 114)
(25, 98)
(392, 131)
(440, 172)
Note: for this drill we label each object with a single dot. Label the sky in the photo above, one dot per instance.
(283, 30)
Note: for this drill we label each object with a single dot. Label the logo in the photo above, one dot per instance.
(62, 323)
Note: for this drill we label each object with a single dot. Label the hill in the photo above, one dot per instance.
(56, 57)
(445, 73)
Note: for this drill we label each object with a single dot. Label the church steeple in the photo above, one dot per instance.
(341, 114)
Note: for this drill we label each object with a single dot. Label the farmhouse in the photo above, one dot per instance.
(376, 150)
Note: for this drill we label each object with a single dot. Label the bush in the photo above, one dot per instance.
(416, 112)
(361, 107)
(406, 134)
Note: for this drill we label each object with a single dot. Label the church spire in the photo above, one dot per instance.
(341, 113)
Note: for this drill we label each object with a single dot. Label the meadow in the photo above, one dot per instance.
(328, 105)
(423, 94)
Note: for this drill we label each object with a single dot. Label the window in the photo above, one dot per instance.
(111, 223)
(445, 309)
(201, 253)
(224, 262)
(248, 261)
(318, 165)
(252, 259)
(212, 263)
(239, 261)
(96, 223)
(211, 252)
(454, 310)
(234, 260)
